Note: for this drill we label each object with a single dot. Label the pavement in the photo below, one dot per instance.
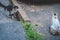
(10, 29)
(42, 16)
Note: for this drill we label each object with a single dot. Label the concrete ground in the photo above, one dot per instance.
(10, 29)
(41, 15)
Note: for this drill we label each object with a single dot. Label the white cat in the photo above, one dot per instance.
(54, 29)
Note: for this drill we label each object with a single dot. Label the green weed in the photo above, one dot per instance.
(30, 33)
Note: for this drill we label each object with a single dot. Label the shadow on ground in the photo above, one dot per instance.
(39, 2)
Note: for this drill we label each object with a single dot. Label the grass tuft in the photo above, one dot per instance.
(30, 33)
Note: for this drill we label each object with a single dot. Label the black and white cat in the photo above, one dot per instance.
(11, 9)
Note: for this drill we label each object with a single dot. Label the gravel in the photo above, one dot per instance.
(41, 15)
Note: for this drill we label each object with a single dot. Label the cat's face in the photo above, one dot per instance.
(55, 15)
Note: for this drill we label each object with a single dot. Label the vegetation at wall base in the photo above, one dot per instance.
(30, 33)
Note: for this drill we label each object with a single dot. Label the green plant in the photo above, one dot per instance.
(30, 33)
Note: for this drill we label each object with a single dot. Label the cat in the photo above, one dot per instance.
(55, 25)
